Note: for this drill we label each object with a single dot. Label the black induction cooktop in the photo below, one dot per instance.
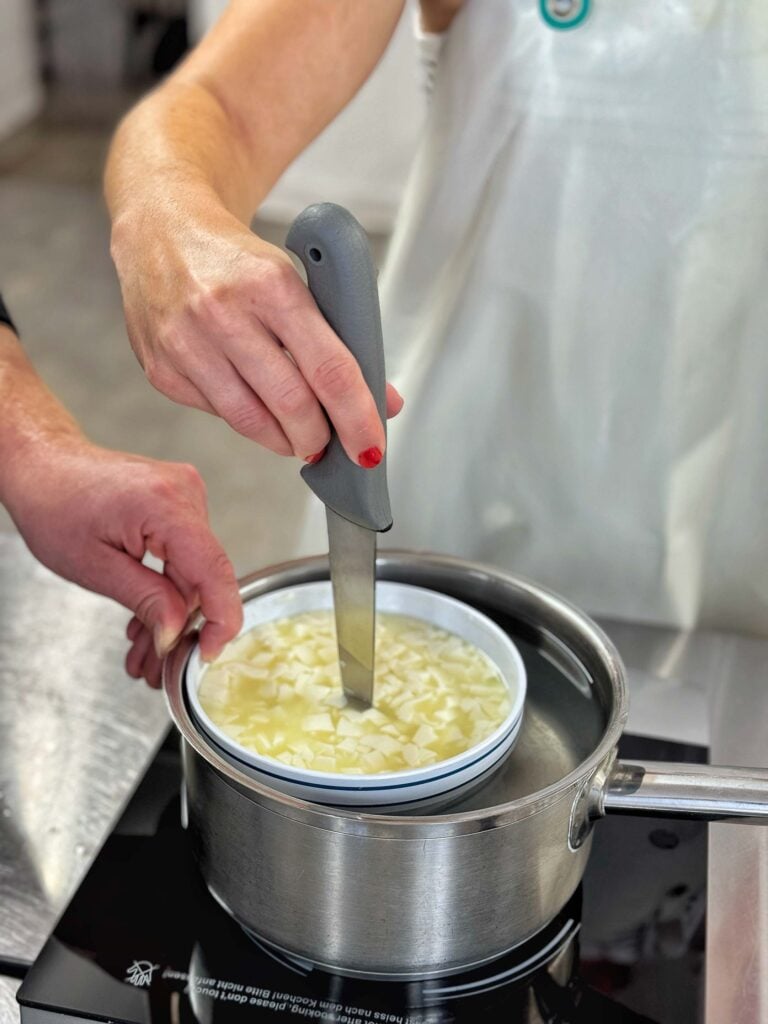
(143, 942)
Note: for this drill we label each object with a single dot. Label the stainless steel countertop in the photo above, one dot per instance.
(76, 733)
(712, 688)
(9, 1009)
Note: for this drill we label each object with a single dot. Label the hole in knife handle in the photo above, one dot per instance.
(315, 255)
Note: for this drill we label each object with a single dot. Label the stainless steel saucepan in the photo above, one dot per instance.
(398, 897)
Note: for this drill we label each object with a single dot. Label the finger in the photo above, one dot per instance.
(234, 400)
(133, 629)
(152, 669)
(395, 401)
(178, 388)
(275, 377)
(199, 558)
(187, 590)
(335, 377)
(150, 595)
(136, 655)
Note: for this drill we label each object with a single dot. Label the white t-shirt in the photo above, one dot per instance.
(576, 308)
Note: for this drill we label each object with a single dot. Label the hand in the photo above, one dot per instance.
(221, 321)
(91, 514)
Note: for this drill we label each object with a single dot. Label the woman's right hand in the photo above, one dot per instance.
(221, 321)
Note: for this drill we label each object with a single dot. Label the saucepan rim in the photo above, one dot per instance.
(542, 603)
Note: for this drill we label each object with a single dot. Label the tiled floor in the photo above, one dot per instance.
(56, 275)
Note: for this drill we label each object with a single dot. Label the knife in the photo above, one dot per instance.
(342, 279)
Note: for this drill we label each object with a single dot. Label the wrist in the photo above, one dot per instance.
(177, 213)
(30, 465)
(35, 429)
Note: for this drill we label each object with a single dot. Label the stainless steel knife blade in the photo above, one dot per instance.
(352, 554)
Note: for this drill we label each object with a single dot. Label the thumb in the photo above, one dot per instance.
(151, 596)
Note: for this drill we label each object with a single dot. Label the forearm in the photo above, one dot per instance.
(32, 421)
(266, 80)
(211, 309)
(178, 149)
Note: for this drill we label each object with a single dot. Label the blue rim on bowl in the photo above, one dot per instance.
(400, 598)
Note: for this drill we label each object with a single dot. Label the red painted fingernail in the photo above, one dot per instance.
(312, 459)
(370, 458)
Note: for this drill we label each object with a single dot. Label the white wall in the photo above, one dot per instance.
(362, 158)
(21, 93)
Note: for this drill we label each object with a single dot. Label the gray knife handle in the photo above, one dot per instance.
(340, 273)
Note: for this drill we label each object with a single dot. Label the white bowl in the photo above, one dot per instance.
(439, 782)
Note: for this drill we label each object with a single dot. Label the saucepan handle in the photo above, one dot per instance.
(706, 792)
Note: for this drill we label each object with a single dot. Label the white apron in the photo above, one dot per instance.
(576, 308)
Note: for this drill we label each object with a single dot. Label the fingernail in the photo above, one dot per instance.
(312, 459)
(163, 640)
(370, 458)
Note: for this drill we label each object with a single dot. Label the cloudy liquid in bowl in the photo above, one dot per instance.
(276, 690)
